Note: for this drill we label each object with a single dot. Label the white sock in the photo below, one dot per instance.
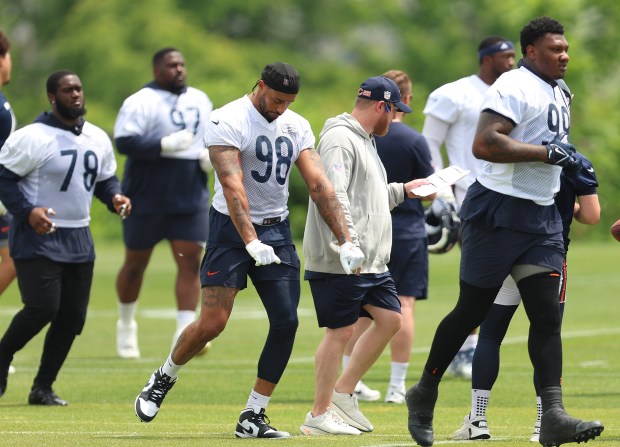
(126, 312)
(184, 318)
(170, 368)
(479, 402)
(398, 374)
(470, 342)
(256, 401)
(538, 409)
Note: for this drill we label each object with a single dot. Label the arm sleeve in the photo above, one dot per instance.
(106, 189)
(435, 132)
(139, 147)
(12, 197)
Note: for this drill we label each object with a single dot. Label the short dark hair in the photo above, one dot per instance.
(537, 28)
(5, 45)
(54, 79)
(160, 54)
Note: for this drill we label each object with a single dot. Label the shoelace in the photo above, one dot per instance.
(159, 390)
(263, 420)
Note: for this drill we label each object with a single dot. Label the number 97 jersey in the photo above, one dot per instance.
(268, 151)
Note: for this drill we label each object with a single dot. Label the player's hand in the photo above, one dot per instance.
(351, 258)
(39, 220)
(263, 254)
(177, 141)
(563, 154)
(205, 161)
(3, 210)
(122, 205)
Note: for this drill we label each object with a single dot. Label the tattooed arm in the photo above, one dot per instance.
(492, 142)
(226, 162)
(322, 194)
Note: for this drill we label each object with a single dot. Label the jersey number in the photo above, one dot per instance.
(185, 118)
(264, 152)
(91, 165)
(558, 120)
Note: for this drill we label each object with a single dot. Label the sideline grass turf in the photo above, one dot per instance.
(204, 405)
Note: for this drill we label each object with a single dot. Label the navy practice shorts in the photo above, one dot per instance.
(5, 222)
(338, 299)
(487, 256)
(230, 267)
(144, 232)
(409, 267)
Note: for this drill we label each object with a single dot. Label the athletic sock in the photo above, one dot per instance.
(126, 312)
(479, 403)
(398, 374)
(185, 318)
(256, 401)
(170, 368)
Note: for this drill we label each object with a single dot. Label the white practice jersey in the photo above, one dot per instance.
(541, 112)
(268, 151)
(60, 169)
(156, 113)
(458, 104)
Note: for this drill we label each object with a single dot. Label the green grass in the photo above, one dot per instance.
(203, 407)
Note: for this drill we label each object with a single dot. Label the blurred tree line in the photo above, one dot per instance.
(334, 45)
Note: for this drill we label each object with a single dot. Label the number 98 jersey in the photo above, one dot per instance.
(60, 168)
(268, 151)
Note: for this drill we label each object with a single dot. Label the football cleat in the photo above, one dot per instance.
(328, 423)
(395, 395)
(256, 425)
(149, 400)
(127, 340)
(45, 396)
(472, 429)
(421, 407)
(365, 393)
(558, 428)
(536, 433)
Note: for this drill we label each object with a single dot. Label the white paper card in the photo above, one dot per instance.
(441, 179)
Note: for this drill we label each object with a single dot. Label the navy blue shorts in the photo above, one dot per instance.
(487, 256)
(230, 266)
(338, 299)
(144, 232)
(5, 222)
(409, 267)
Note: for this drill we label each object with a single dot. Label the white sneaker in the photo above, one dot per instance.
(366, 394)
(149, 401)
(395, 395)
(176, 336)
(347, 407)
(11, 369)
(536, 433)
(476, 428)
(461, 365)
(127, 340)
(328, 423)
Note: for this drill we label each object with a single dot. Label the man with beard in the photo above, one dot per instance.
(253, 142)
(349, 153)
(161, 129)
(49, 172)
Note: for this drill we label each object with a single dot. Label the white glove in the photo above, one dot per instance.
(263, 254)
(177, 141)
(3, 210)
(351, 257)
(205, 161)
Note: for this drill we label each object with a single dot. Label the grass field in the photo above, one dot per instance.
(203, 407)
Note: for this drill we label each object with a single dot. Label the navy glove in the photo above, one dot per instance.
(563, 154)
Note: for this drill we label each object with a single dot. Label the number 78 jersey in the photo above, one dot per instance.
(59, 168)
(268, 151)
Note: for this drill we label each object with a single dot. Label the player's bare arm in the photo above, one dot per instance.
(322, 193)
(492, 143)
(226, 161)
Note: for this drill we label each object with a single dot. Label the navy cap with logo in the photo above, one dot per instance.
(282, 77)
(380, 88)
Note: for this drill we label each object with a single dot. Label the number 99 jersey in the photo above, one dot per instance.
(267, 152)
(60, 168)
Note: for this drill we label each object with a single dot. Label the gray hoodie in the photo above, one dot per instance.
(350, 158)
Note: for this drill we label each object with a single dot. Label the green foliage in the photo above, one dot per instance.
(334, 44)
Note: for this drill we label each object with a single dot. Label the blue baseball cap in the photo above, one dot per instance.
(380, 88)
